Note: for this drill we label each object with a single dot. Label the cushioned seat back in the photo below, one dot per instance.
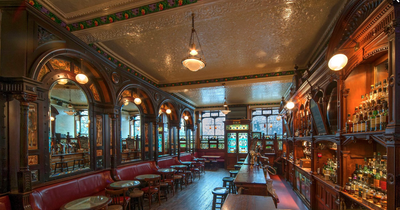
(5, 203)
(145, 168)
(167, 162)
(186, 157)
(54, 196)
(131, 171)
(125, 173)
(93, 184)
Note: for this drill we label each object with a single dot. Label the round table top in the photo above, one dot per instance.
(199, 159)
(166, 170)
(178, 166)
(125, 184)
(87, 203)
(147, 176)
(187, 162)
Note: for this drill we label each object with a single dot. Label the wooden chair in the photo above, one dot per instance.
(169, 179)
(119, 200)
(153, 188)
(195, 169)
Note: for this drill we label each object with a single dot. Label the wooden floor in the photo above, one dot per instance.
(198, 196)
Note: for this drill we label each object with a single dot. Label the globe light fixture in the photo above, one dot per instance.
(137, 101)
(126, 103)
(62, 81)
(52, 119)
(338, 62)
(82, 79)
(186, 117)
(194, 61)
(290, 105)
(168, 111)
(70, 107)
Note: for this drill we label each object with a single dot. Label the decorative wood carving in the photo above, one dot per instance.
(99, 130)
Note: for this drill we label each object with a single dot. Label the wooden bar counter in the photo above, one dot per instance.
(251, 181)
(241, 202)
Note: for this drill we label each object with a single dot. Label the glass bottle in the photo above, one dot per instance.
(349, 124)
(361, 123)
(384, 115)
(360, 171)
(360, 188)
(383, 181)
(375, 96)
(378, 115)
(365, 170)
(384, 200)
(352, 186)
(377, 179)
(367, 115)
(377, 196)
(355, 120)
(380, 94)
(370, 195)
(348, 186)
(371, 93)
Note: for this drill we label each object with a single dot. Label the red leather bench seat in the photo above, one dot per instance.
(131, 171)
(167, 162)
(5, 203)
(54, 196)
(186, 157)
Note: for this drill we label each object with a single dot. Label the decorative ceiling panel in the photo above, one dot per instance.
(77, 95)
(256, 93)
(238, 38)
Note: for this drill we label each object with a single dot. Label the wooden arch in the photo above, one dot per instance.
(187, 112)
(169, 104)
(130, 92)
(98, 80)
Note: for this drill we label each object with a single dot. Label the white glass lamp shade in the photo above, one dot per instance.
(168, 111)
(225, 104)
(290, 105)
(226, 111)
(137, 101)
(52, 119)
(62, 81)
(186, 117)
(126, 103)
(194, 52)
(193, 64)
(338, 62)
(82, 79)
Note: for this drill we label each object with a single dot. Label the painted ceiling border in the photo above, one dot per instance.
(112, 18)
(240, 105)
(227, 79)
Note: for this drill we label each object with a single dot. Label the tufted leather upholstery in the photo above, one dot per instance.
(5, 203)
(131, 171)
(167, 162)
(52, 197)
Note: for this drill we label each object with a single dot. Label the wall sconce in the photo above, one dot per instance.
(338, 62)
(126, 103)
(290, 105)
(82, 79)
(186, 117)
(62, 81)
(137, 101)
(168, 111)
(52, 119)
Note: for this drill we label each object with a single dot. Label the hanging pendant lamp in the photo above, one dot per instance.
(195, 60)
(226, 110)
(70, 107)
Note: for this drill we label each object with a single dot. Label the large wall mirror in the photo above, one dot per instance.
(130, 133)
(163, 136)
(69, 129)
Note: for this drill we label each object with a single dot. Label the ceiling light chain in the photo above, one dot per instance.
(194, 61)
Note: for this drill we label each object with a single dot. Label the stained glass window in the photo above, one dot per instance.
(266, 123)
(232, 143)
(243, 139)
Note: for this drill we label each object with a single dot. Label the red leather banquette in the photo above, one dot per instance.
(167, 162)
(54, 196)
(186, 157)
(131, 171)
(5, 203)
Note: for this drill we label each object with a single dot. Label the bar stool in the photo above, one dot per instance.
(60, 165)
(219, 193)
(136, 199)
(79, 161)
(237, 167)
(231, 186)
(178, 179)
(242, 159)
(233, 173)
(240, 162)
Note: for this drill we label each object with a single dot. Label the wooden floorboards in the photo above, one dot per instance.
(196, 196)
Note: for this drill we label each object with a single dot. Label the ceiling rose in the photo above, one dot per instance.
(195, 60)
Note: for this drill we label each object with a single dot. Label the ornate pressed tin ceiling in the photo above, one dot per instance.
(239, 37)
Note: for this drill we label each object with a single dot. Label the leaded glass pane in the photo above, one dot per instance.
(276, 126)
(219, 125)
(259, 124)
(208, 126)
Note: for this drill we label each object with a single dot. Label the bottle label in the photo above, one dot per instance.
(377, 123)
(362, 127)
(383, 118)
(383, 185)
(376, 183)
(372, 124)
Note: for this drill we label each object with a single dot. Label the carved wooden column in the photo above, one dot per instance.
(157, 146)
(393, 128)
(174, 133)
(114, 152)
(24, 175)
(197, 139)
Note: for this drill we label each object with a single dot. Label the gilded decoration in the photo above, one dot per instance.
(33, 160)
(127, 93)
(32, 127)
(99, 153)
(146, 133)
(99, 130)
(95, 93)
(59, 64)
(43, 71)
(44, 36)
(35, 175)
(77, 69)
(115, 77)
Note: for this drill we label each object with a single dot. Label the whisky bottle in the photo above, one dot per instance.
(383, 180)
(349, 124)
(366, 119)
(372, 118)
(377, 179)
(355, 120)
(361, 123)
(384, 115)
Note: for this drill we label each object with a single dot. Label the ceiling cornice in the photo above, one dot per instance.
(240, 105)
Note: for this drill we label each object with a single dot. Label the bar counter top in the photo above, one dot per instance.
(234, 201)
(253, 175)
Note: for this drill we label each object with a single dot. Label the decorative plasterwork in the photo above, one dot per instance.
(240, 105)
(86, 12)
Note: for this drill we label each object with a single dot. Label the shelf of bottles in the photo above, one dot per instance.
(329, 170)
(368, 183)
(372, 112)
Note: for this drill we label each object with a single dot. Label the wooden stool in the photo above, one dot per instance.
(178, 179)
(219, 193)
(60, 165)
(242, 159)
(240, 162)
(233, 173)
(237, 167)
(79, 161)
(229, 181)
(164, 190)
(136, 199)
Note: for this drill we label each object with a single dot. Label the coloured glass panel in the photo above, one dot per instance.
(232, 142)
(243, 139)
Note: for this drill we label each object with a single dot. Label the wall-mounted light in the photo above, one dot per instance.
(82, 79)
(168, 111)
(186, 117)
(338, 62)
(52, 119)
(290, 105)
(126, 103)
(62, 81)
(137, 101)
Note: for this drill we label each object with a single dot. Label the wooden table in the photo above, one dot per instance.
(88, 203)
(147, 176)
(166, 170)
(250, 202)
(179, 168)
(188, 163)
(215, 157)
(124, 184)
